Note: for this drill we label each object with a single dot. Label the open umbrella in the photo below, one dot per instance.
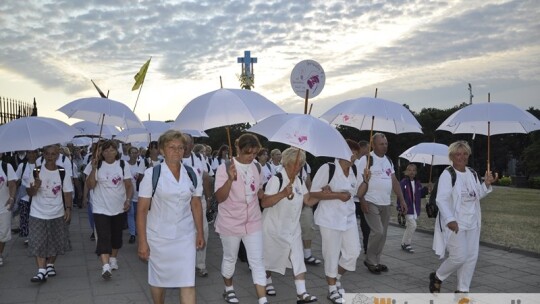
(102, 111)
(225, 107)
(152, 130)
(88, 128)
(429, 153)
(367, 113)
(30, 133)
(305, 132)
(490, 119)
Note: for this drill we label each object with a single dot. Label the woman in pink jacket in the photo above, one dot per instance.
(238, 187)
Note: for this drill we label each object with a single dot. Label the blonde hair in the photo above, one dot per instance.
(288, 156)
(460, 144)
(169, 136)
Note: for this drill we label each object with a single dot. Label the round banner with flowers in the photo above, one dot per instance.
(307, 75)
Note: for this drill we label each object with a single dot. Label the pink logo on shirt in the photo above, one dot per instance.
(116, 180)
(388, 172)
(56, 189)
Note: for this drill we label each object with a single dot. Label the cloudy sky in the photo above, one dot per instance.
(421, 53)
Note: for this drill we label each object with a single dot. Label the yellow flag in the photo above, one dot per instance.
(139, 77)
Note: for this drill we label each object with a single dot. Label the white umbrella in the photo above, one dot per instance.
(429, 153)
(152, 130)
(305, 132)
(225, 107)
(367, 113)
(30, 133)
(82, 141)
(103, 111)
(490, 119)
(89, 128)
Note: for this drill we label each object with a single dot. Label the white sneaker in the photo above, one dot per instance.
(113, 264)
(106, 272)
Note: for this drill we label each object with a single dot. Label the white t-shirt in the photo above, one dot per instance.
(62, 161)
(109, 195)
(136, 170)
(335, 214)
(380, 182)
(467, 217)
(4, 189)
(28, 169)
(48, 203)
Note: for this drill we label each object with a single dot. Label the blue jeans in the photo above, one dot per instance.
(132, 215)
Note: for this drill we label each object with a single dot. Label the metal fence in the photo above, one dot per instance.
(11, 109)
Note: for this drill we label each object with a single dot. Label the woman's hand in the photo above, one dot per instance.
(199, 241)
(453, 226)
(143, 250)
(127, 204)
(232, 172)
(490, 179)
(344, 196)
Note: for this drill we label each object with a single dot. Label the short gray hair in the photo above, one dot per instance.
(460, 144)
(289, 156)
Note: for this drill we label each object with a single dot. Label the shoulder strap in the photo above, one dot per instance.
(258, 167)
(156, 171)
(453, 175)
(280, 178)
(122, 165)
(331, 171)
(474, 173)
(268, 166)
(192, 175)
(4, 168)
(354, 170)
(24, 167)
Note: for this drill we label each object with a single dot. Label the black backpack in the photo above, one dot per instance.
(431, 207)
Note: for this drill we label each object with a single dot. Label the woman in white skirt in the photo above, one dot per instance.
(169, 222)
(282, 235)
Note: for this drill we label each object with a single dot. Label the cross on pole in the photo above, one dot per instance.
(247, 69)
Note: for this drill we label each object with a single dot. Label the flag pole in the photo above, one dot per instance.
(137, 100)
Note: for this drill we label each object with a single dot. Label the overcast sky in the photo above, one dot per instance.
(421, 53)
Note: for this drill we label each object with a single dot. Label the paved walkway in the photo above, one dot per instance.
(79, 273)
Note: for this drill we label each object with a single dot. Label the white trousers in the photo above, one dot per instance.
(254, 249)
(409, 229)
(462, 256)
(201, 253)
(339, 248)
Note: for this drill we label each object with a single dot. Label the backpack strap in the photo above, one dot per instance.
(354, 170)
(156, 172)
(62, 172)
(192, 175)
(331, 171)
(258, 167)
(4, 168)
(453, 174)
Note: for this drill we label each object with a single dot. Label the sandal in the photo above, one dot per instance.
(434, 283)
(270, 290)
(51, 272)
(408, 248)
(312, 261)
(335, 297)
(40, 277)
(230, 297)
(372, 268)
(382, 268)
(305, 298)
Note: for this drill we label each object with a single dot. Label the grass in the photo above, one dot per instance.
(510, 218)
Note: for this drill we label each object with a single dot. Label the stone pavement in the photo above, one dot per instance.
(79, 273)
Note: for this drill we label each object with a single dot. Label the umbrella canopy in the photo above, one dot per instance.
(427, 153)
(225, 107)
(152, 130)
(503, 118)
(103, 111)
(30, 133)
(89, 128)
(305, 132)
(367, 113)
(82, 141)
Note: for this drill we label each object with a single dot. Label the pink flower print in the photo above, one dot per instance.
(252, 186)
(312, 81)
(302, 138)
(56, 189)
(388, 172)
(116, 180)
(346, 117)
